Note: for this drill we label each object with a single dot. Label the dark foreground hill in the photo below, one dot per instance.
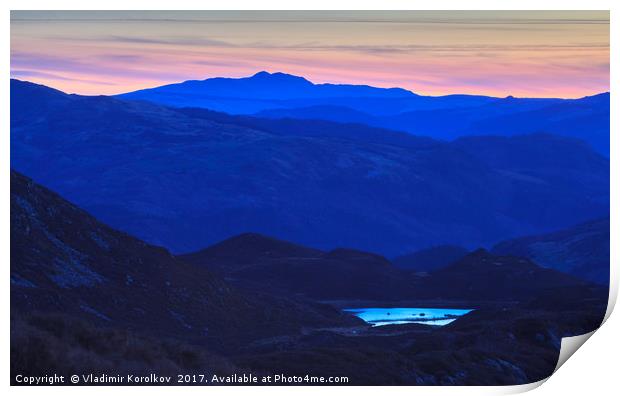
(88, 299)
(504, 346)
(63, 260)
(581, 250)
(187, 178)
(256, 262)
(259, 263)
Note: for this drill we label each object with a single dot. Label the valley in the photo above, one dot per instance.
(108, 296)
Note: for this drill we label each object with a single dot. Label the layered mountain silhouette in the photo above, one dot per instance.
(262, 263)
(269, 90)
(259, 263)
(586, 118)
(273, 86)
(280, 95)
(265, 90)
(86, 298)
(65, 261)
(187, 178)
(483, 276)
(582, 250)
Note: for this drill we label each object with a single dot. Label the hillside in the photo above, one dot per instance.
(88, 299)
(268, 265)
(64, 261)
(581, 250)
(185, 179)
(482, 276)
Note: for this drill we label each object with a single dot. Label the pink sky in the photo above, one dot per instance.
(520, 53)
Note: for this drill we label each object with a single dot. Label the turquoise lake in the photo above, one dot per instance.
(428, 316)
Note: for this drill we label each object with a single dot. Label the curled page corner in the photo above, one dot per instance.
(569, 346)
(517, 389)
(613, 295)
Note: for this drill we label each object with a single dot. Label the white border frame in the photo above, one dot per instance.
(594, 368)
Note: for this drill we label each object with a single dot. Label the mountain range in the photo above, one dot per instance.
(581, 250)
(65, 261)
(221, 226)
(279, 95)
(187, 178)
(86, 298)
(259, 263)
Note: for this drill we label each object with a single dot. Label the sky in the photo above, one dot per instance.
(498, 53)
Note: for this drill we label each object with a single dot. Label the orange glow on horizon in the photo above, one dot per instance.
(524, 54)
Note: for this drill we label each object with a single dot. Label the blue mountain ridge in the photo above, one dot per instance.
(186, 178)
(280, 95)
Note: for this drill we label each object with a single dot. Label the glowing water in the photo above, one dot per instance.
(429, 316)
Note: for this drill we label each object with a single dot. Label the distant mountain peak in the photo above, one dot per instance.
(483, 260)
(279, 76)
(251, 94)
(261, 73)
(252, 244)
